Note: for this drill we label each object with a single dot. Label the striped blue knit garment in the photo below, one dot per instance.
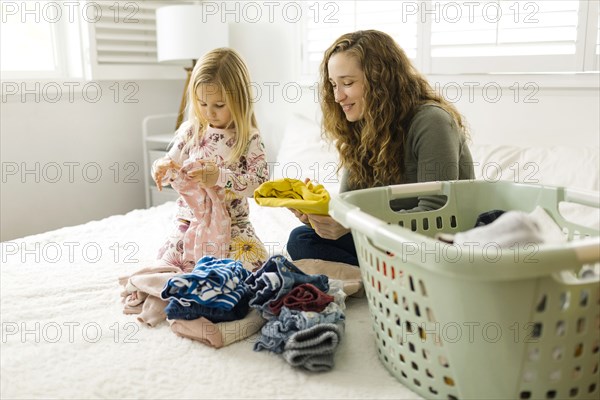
(214, 282)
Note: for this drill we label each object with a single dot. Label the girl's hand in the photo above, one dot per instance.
(301, 216)
(207, 175)
(160, 169)
(327, 227)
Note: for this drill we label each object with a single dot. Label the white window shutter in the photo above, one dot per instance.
(469, 37)
(391, 17)
(592, 57)
(504, 36)
(326, 21)
(122, 41)
(324, 24)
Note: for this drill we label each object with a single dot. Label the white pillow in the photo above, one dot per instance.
(304, 154)
(570, 167)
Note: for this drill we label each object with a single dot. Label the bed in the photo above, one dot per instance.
(64, 334)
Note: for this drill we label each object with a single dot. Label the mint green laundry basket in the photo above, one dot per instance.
(480, 322)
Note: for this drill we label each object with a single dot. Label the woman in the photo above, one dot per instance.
(389, 127)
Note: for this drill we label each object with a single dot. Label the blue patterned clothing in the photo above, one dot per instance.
(276, 278)
(214, 282)
(277, 331)
(175, 310)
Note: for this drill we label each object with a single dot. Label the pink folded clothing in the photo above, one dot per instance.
(348, 274)
(218, 335)
(304, 297)
(141, 293)
(209, 234)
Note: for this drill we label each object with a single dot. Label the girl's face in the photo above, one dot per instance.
(347, 79)
(212, 104)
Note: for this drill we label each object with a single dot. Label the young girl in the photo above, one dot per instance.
(216, 161)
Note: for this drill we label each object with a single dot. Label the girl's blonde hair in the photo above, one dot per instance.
(393, 91)
(224, 68)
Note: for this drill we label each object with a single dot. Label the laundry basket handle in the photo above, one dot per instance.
(587, 250)
(352, 217)
(413, 189)
(585, 198)
(361, 221)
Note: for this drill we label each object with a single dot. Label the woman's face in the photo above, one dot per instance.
(347, 79)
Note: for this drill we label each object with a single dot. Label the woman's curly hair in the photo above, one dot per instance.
(393, 91)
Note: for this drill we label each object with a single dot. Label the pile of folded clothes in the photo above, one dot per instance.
(209, 304)
(300, 307)
(304, 312)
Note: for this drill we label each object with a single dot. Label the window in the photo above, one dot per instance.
(594, 63)
(457, 37)
(30, 32)
(122, 41)
(83, 40)
(326, 21)
(504, 36)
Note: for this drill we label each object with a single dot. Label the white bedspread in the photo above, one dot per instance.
(64, 334)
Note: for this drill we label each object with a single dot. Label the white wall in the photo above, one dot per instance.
(270, 52)
(566, 117)
(49, 139)
(542, 116)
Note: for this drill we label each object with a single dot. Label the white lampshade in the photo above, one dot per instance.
(181, 34)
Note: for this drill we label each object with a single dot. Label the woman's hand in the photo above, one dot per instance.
(160, 169)
(300, 215)
(207, 175)
(327, 227)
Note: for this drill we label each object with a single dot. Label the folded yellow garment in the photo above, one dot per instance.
(292, 193)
